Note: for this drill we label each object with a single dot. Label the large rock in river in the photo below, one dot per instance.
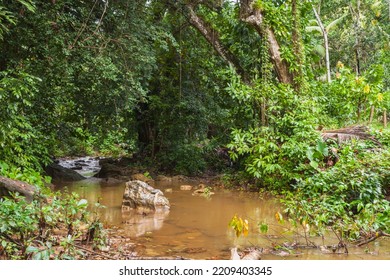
(60, 173)
(140, 196)
(109, 170)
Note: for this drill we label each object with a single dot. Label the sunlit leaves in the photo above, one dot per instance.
(366, 89)
(239, 225)
(279, 217)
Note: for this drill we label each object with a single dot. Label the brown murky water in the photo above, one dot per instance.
(197, 227)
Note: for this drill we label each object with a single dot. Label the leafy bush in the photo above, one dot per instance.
(349, 97)
(277, 154)
(47, 228)
(186, 159)
(347, 198)
(27, 175)
(115, 144)
(21, 141)
(50, 225)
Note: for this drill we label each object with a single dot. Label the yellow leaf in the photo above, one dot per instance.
(366, 89)
(279, 217)
(380, 97)
(245, 228)
(240, 226)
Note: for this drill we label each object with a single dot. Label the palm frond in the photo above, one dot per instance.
(320, 50)
(313, 29)
(28, 4)
(334, 23)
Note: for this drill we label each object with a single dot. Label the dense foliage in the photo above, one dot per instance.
(181, 85)
(51, 226)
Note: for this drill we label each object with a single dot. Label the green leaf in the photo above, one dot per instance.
(263, 228)
(82, 203)
(320, 50)
(314, 164)
(310, 154)
(322, 148)
(28, 4)
(32, 249)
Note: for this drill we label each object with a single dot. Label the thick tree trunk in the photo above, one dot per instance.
(255, 18)
(213, 37)
(17, 186)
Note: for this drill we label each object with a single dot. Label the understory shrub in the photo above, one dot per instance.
(348, 198)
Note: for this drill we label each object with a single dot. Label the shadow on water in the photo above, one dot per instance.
(197, 227)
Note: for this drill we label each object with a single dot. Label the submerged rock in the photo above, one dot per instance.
(185, 187)
(142, 197)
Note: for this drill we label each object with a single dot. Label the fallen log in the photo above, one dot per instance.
(348, 133)
(376, 236)
(12, 186)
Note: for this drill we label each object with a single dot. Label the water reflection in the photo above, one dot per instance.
(137, 225)
(197, 227)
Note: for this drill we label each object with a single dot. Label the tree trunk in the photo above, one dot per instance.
(372, 111)
(18, 186)
(297, 46)
(385, 118)
(357, 37)
(256, 19)
(325, 35)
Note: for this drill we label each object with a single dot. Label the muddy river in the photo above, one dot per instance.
(197, 227)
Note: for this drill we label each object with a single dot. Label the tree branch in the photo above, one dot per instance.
(255, 18)
(213, 37)
(325, 35)
(377, 235)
